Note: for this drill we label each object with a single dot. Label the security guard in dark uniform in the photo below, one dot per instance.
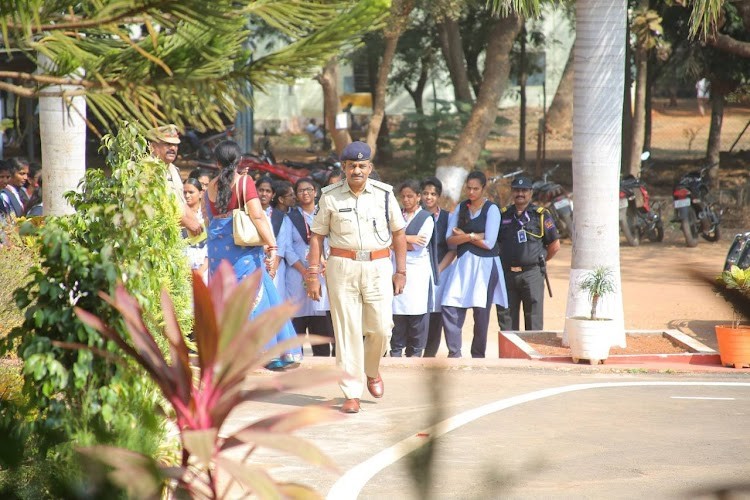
(528, 238)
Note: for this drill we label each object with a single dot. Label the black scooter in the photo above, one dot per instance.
(739, 252)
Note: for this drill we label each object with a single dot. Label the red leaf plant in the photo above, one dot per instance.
(229, 347)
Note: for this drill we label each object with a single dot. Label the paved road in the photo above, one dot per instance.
(528, 430)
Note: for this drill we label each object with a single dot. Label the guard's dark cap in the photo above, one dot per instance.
(521, 183)
(356, 151)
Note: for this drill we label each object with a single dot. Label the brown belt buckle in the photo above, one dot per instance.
(362, 255)
(516, 269)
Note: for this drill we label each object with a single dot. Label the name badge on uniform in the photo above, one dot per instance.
(521, 236)
(345, 209)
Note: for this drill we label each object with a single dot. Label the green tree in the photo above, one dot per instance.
(125, 229)
(157, 62)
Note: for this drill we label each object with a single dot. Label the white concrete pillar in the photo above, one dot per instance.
(62, 130)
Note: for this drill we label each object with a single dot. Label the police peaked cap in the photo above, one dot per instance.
(521, 183)
(356, 151)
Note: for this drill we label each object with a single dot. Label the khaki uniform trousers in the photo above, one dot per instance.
(361, 298)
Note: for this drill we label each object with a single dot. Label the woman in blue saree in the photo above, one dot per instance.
(221, 199)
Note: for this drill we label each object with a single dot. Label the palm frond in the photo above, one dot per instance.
(190, 65)
(704, 17)
(524, 8)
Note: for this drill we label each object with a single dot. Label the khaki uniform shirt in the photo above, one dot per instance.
(358, 223)
(174, 184)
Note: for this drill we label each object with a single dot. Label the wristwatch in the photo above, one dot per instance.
(472, 236)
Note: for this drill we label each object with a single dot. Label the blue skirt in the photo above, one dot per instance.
(245, 261)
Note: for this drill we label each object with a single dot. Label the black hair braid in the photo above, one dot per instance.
(463, 214)
(224, 188)
(228, 154)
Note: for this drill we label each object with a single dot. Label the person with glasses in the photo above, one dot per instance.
(312, 317)
(202, 175)
(284, 198)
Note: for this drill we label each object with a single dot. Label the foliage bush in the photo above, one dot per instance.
(17, 256)
(125, 229)
(229, 346)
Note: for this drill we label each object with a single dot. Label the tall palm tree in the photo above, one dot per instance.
(597, 116)
(160, 61)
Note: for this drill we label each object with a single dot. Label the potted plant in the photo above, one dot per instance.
(588, 336)
(734, 339)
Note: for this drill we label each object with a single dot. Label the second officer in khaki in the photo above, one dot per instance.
(362, 220)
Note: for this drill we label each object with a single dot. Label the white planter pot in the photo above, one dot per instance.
(589, 339)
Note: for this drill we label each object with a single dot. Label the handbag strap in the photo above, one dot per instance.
(240, 205)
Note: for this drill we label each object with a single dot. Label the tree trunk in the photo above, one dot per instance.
(453, 169)
(452, 49)
(627, 108)
(639, 112)
(648, 119)
(713, 149)
(597, 117)
(522, 76)
(378, 112)
(418, 92)
(329, 79)
(560, 114)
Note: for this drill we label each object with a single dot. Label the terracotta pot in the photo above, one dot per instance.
(588, 339)
(734, 345)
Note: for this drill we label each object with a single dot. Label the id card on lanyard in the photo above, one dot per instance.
(521, 234)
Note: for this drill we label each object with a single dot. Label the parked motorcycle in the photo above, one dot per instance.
(199, 146)
(739, 252)
(696, 208)
(264, 163)
(557, 200)
(639, 216)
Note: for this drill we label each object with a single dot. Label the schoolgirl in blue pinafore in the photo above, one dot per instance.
(411, 309)
(474, 280)
(312, 317)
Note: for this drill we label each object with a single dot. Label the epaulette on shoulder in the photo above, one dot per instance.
(503, 210)
(381, 185)
(332, 186)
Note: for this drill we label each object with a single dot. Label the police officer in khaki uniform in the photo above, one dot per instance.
(164, 142)
(362, 220)
(528, 238)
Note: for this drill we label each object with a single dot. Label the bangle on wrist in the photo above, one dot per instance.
(403, 273)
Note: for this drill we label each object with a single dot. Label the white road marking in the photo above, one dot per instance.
(350, 484)
(702, 398)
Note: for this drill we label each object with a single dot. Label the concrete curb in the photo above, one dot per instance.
(512, 345)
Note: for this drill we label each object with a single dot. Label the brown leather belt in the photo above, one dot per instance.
(361, 255)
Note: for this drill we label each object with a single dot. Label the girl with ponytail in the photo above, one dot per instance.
(221, 199)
